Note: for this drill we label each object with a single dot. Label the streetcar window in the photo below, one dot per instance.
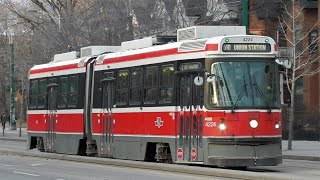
(135, 86)
(42, 93)
(244, 84)
(62, 92)
(150, 85)
(166, 84)
(122, 87)
(34, 93)
(73, 91)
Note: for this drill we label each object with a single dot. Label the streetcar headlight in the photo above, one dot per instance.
(277, 126)
(253, 123)
(222, 126)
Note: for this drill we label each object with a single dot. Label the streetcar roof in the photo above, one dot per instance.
(177, 48)
(53, 66)
(187, 49)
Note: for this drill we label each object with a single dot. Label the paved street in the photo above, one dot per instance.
(290, 169)
(17, 168)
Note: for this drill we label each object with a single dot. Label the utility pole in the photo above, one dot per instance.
(245, 14)
(12, 107)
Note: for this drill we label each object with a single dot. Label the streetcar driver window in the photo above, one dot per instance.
(244, 84)
(33, 94)
(151, 85)
(166, 83)
(62, 92)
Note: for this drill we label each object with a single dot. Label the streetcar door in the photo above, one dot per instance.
(190, 128)
(107, 117)
(51, 120)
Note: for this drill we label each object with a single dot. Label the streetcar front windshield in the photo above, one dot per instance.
(240, 84)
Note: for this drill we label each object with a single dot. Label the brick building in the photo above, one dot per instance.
(263, 18)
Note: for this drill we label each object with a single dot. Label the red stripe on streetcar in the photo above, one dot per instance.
(141, 56)
(56, 68)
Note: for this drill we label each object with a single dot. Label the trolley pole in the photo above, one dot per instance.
(12, 89)
(245, 14)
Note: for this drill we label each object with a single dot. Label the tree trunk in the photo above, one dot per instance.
(291, 114)
(3, 97)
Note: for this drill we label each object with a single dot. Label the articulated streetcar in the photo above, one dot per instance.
(208, 96)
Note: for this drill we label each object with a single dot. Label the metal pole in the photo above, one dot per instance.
(12, 89)
(245, 15)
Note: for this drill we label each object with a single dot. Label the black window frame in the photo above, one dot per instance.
(153, 88)
(73, 97)
(42, 96)
(124, 90)
(167, 87)
(33, 95)
(62, 96)
(135, 89)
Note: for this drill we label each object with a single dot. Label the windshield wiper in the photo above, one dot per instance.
(262, 96)
(244, 89)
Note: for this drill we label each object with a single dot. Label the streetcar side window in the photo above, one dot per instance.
(151, 84)
(62, 92)
(34, 90)
(135, 86)
(166, 84)
(122, 87)
(73, 91)
(42, 93)
(97, 91)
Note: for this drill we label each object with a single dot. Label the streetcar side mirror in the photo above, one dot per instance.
(213, 77)
(284, 61)
(210, 77)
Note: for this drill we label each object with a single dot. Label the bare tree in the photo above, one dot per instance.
(305, 59)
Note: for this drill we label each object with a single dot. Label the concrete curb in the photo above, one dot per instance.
(13, 139)
(205, 171)
(307, 158)
(292, 157)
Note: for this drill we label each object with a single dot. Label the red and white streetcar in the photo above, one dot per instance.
(211, 97)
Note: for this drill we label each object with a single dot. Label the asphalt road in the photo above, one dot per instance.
(16, 167)
(25, 168)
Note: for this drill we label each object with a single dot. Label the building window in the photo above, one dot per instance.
(299, 95)
(313, 41)
(299, 38)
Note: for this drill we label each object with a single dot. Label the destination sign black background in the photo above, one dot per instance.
(250, 47)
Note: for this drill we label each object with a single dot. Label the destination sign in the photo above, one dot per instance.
(248, 47)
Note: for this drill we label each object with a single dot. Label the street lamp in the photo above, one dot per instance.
(12, 87)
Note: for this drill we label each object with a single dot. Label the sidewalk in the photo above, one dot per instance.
(13, 135)
(302, 150)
